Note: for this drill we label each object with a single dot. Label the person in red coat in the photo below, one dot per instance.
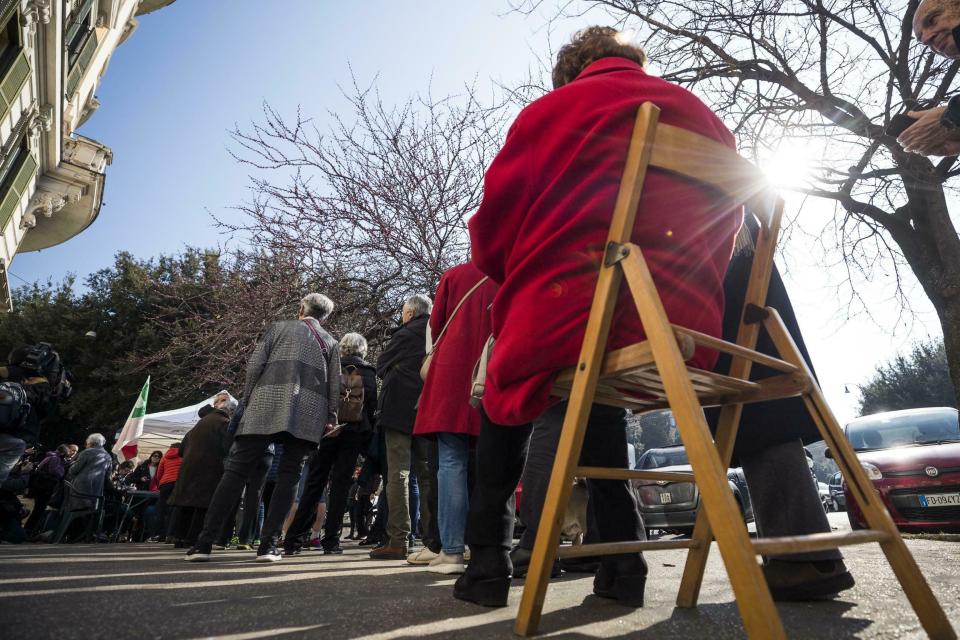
(460, 320)
(540, 233)
(164, 481)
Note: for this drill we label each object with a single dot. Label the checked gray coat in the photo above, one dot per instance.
(289, 386)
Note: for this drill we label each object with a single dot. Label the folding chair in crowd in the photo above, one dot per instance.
(653, 374)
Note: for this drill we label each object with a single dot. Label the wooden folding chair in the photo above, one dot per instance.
(653, 374)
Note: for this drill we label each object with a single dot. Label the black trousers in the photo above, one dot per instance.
(500, 459)
(245, 454)
(335, 463)
(164, 523)
(189, 523)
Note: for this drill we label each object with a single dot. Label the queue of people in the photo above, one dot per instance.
(537, 240)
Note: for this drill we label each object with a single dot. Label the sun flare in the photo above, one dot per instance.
(789, 165)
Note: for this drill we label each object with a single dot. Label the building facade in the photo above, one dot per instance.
(53, 54)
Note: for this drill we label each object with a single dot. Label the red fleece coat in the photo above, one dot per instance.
(169, 468)
(445, 402)
(540, 230)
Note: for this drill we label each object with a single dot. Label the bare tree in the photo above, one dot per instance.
(376, 207)
(831, 73)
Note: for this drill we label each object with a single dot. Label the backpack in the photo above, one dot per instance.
(351, 395)
(42, 359)
(14, 407)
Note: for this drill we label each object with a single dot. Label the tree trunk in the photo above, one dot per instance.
(930, 243)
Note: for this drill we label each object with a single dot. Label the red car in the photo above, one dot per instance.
(913, 459)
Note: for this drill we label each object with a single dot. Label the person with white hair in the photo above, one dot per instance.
(337, 454)
(88, 474)
(399, 368)
(291, 397)
(203, 450)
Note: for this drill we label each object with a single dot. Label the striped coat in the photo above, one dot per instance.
(288, 383)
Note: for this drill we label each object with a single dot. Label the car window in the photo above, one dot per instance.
(656, 458)
(885, 432)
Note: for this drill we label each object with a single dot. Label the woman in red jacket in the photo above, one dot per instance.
(540, 233)
(460, 324)
(164, 481)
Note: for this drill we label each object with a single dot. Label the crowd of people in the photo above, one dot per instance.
(320, 432)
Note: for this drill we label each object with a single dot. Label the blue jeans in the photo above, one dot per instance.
(454, 451)
(11, 448)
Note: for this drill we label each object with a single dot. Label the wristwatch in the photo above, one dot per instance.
(950, 120)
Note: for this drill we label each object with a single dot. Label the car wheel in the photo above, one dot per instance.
(856, 526)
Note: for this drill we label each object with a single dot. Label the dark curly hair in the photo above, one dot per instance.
(589, 45)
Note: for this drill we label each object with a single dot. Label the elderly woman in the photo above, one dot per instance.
(203, 450)
(337, 454)
(540, 234)
(290, 397)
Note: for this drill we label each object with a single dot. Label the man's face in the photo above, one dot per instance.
(407, 315)
(72, 450)
(933, 24)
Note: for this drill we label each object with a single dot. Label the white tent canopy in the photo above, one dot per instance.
(162, 429)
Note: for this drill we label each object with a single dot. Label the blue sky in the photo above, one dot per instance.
(193, 69)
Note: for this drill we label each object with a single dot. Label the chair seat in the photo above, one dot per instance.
(629, 377)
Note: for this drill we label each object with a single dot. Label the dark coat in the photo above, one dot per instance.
(203, 450)
(445, 403)
(399, 368)
(141, 475)
(763, 424)
(369, 373)
(541, 230)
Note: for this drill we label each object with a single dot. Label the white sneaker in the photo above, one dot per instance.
(422, 557)
(270, 557)
(447, 563)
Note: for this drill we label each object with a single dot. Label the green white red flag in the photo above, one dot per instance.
(126, 445)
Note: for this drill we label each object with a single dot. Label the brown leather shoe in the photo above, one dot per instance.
(797, 581)
(389, 552)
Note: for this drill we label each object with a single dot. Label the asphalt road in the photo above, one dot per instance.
(147, 591)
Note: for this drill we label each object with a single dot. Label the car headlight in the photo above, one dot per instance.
(872, 471)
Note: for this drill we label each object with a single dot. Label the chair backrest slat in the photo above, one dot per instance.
(707, 161)
(715, 165)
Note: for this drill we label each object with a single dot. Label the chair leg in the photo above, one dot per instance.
(696, 564)
(753, 597)
(66, 519)
(914, 585)
(551, 520)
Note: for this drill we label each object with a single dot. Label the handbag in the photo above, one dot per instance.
(425, 367)
(479, 380)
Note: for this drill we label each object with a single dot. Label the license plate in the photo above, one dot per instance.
(666, 498)
(937, 500)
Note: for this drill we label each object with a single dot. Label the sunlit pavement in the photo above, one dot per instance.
(148, 591)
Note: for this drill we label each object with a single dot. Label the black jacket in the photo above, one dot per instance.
(204, 449)
(763, 424)
(399, 368)
(369, 373)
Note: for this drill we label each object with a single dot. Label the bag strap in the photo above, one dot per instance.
(457, 308)
(323, 345)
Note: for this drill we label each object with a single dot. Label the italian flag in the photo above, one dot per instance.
(126, 445)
